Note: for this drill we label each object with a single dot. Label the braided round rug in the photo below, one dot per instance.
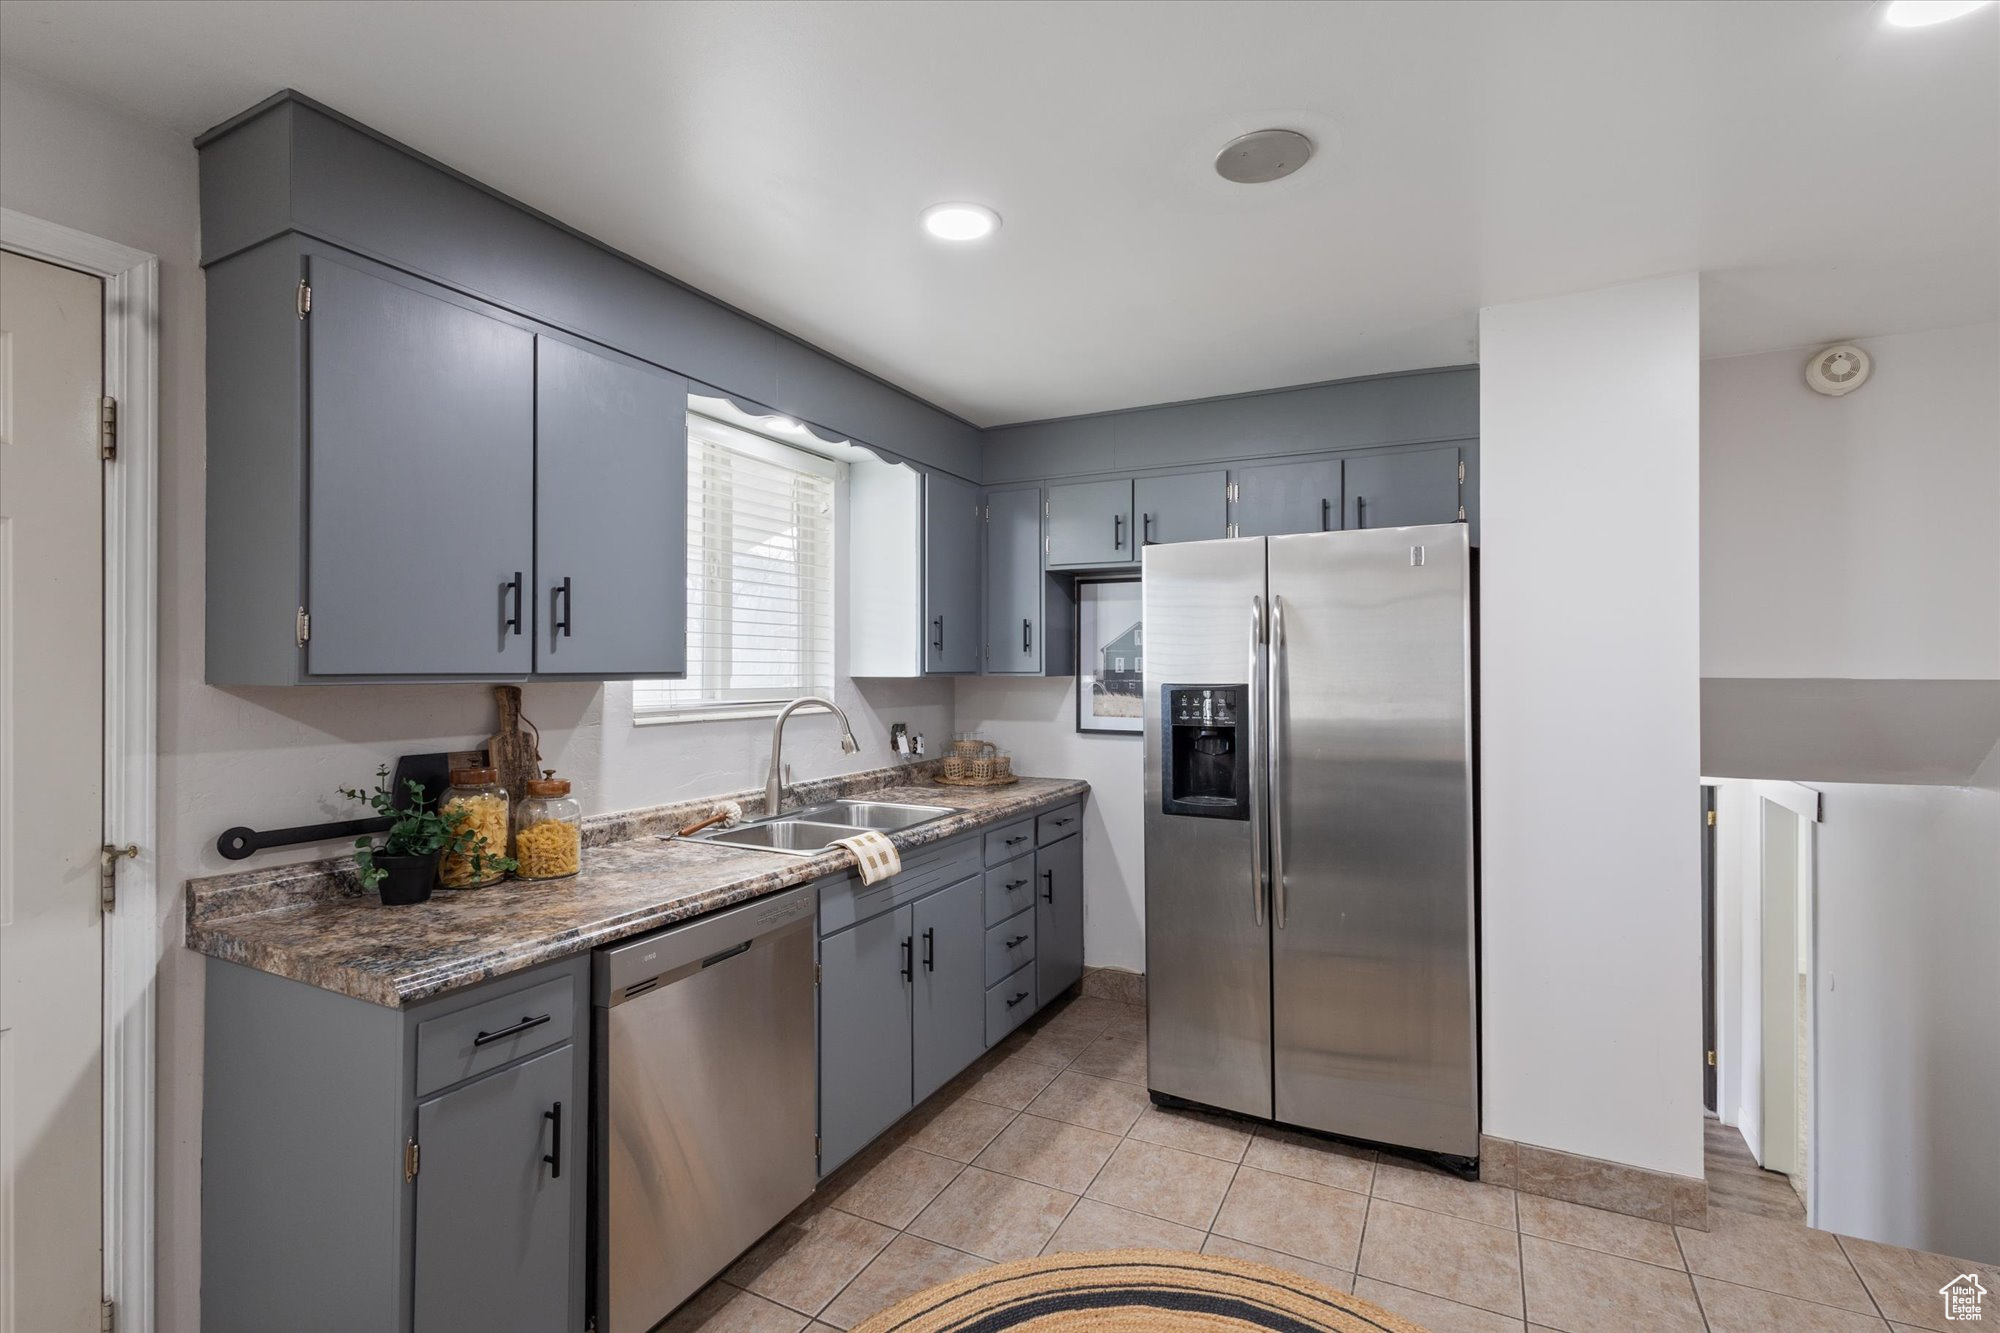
(1134, 1291)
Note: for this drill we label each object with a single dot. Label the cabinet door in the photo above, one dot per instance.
(422, 496)
(1058, 918)
(948, 1018)
(1014, 582)
(952, 625)
(493, 1216)
(1090, 523)
(1191, 507)
(864, 1033)
(610, 515)
(1280, 498)
(1401, 489)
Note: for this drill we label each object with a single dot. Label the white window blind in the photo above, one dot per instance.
(759, 577)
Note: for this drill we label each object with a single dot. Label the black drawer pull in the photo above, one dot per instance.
(1065, 820)
(909, 971)
(1015, 884)
(514, 1031)
(1017, 999)
(511, 623)
(554, 1156)
(1011, 841)
(930, 949)
(1017, 940)
(1049, 879)
(562, 621)
(1027, 636)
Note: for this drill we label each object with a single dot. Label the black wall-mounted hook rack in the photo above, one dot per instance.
(432, 771)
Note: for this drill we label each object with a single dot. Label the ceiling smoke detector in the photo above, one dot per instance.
(1836, 370)
(1263, 155)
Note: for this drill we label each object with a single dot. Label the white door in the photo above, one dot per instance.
(51, 800)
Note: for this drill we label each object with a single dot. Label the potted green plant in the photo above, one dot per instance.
(404, 866)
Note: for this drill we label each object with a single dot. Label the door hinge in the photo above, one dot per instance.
(304, 626)
(816, 973)
(108, 858)
(1461, 513)
(107, 1317)
(412, 1159)
(1711, 819)
(107, 429)
(1233, 496)
(1232, 530)
(1461, 472)
(305, 300)
(1711, 1058)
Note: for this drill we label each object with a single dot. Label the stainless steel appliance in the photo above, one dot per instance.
(704, 1107)
(1309, 825)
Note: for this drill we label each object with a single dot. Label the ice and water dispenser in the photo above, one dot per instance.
(1206, 754)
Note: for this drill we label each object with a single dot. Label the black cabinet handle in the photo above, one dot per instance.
(562, 620)
(1017, 999)
(1049, 879)
(1325, 514)
(1017, 941)
(554, 1156)
(1359, 521)
(1015, 884)
(1027, 636)
(1118, 532)
(937, 633)
(514, 1031)
(512, 621)
(1145, 529)
(930, 949)
(909, 972)
(1011, 841)
(1066, 819)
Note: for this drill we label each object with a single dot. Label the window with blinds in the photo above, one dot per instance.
(759, 576)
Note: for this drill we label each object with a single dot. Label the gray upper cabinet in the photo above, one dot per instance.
(493, 1200)
(422, 492)
(864, 1025)
(1185, 507)
(1279, 498)
(1014, 632)
(953, 628)
(610, 582)
(1403, 488)
(1090, 523)
(948, 1016)
(1058, 918)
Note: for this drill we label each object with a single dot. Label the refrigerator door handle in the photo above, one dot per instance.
(1274, 712)
(1256, 722)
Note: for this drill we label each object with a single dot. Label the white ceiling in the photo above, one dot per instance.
(1828, 175)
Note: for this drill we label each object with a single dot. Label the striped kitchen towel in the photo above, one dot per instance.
(874, 853)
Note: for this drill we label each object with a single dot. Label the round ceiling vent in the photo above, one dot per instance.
(1841, 368)
(1263, 155)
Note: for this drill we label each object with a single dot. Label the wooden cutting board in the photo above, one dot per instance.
(515, 748)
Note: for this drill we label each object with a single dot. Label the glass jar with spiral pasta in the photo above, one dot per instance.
(476, 791)
(548, 832)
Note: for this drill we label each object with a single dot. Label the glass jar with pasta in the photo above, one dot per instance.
(482, 859)
(548, 833)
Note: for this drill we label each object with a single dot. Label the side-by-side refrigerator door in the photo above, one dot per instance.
(1371, 836)
(1208, 961)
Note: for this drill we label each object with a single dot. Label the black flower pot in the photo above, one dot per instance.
(410, 878)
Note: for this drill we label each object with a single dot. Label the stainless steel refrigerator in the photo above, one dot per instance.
(1310, 929)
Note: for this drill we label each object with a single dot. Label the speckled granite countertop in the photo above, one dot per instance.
(313, 923)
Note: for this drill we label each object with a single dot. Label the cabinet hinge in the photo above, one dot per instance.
(1711, 819)
(1461, 472)
(108, 858)
(1045, 507)
(815, 1145)
(107, 1316)
(107, 428)
(1045, 548)
(1711, 1057)
(816, 974)
(1232, 530)
(305, 301)
(304, 627)
(1233, 495)
(1461, 513)
(412, 1159)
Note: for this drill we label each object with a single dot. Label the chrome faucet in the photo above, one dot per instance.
(774, 787)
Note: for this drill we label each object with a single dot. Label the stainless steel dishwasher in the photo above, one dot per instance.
(704, 1106)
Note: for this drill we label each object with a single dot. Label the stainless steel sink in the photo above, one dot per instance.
(889, 816)
(792, 835)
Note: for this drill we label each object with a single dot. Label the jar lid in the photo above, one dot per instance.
(548, 786)
(474, 777)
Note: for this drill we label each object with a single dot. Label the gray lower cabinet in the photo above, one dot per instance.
(407, 1170)
(1279, 498)
(1182, 507)
(954, 629)
(1058, 918)
(1015, 638)
(1090, 523)
(948, 1018)
(610, 581)
(1402, 488)
(493, 1199)
(864, 1006)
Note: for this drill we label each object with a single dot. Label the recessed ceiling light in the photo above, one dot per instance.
(1923, 13)
(960, 222)
(1263, 155)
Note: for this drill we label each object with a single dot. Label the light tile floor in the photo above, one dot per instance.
(1051, 1144)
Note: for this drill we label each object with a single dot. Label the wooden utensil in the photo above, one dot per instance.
(515, 752)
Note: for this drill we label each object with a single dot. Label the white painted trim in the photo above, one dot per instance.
(1801, 801)
(131, 741)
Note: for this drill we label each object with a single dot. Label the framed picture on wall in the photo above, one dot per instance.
(1110, 648)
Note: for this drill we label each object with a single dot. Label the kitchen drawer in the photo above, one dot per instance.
(1009, 946)
(1009, 841)
(460, 1045)
(1009, 889)
(1009, 1003)
(1057, 823)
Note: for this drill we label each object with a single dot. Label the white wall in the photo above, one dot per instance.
(1853, 537)
(1589, 625)
(267, 757)
(1035, 719)
(1908, 1022)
